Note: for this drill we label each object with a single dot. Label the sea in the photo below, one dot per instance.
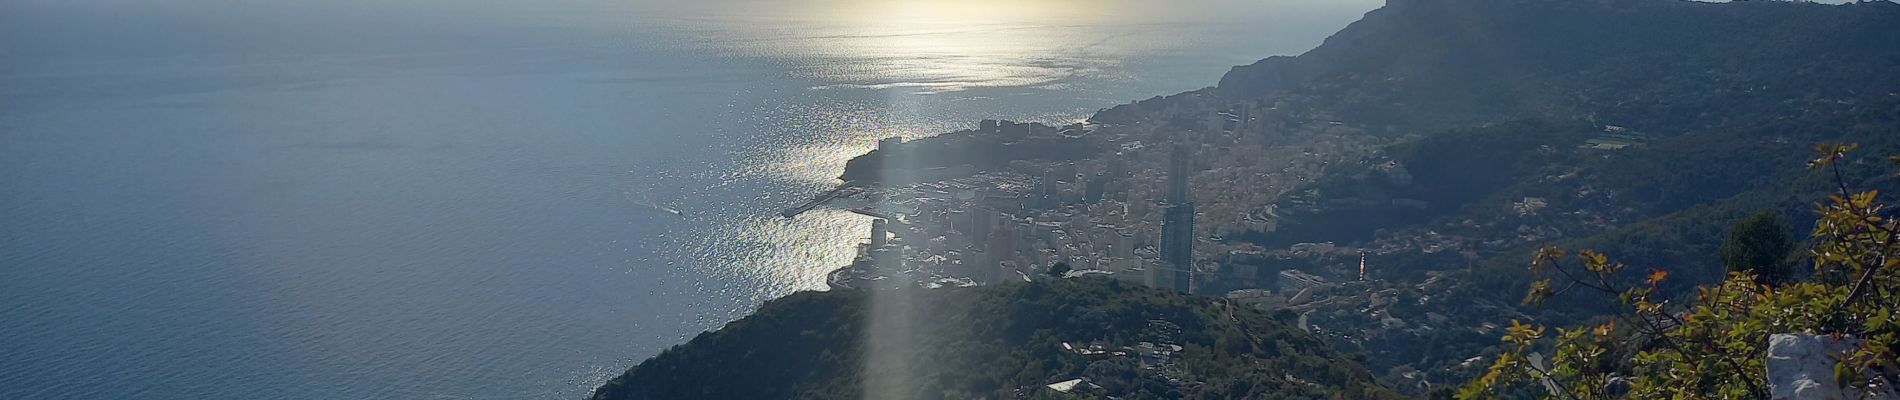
(487, 199)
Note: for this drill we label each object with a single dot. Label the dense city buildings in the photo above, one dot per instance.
(1155, 201)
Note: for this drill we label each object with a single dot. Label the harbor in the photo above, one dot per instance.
(845, 189)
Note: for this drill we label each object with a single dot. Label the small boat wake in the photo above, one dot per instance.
(648, 203)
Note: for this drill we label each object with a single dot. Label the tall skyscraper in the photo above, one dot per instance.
(1180, 164)
(1177, 243)
(1177, 222)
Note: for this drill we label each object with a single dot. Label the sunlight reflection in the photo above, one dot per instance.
(930, 46)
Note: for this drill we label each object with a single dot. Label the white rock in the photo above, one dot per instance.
(1801, 367)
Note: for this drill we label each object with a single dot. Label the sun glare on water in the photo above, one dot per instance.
(876, 69)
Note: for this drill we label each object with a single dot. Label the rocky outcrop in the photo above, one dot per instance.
(963, 153)
(1801, 367)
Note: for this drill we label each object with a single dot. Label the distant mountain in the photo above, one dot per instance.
(1682, 64)
(1001, 341)
(1485, 103)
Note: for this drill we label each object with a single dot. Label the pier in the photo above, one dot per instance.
(819, 200)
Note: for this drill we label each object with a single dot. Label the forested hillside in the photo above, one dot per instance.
(1001, 341)
(1641, 128)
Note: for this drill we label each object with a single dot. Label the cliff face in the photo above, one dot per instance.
(1000, 341)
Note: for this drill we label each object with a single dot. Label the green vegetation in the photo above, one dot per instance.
(1760, 246)
(1714, 346)
(1457, 173)
(1485, 105)
(998, 342)
(1488, 103)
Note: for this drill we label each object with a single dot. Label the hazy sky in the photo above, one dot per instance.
(46, 28)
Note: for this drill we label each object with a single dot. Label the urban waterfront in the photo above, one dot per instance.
(220, 200)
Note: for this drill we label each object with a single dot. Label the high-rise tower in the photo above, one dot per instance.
(1177, 243)
(1177, 222)
(1180, 164)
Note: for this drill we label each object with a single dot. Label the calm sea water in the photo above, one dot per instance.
(464, 199)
